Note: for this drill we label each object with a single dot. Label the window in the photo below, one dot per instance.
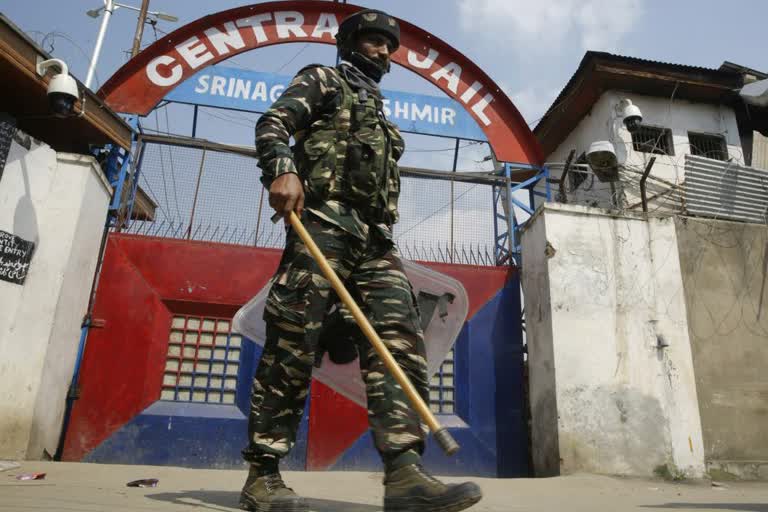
(708, 146)
(651, 139)
(577, 175)
(202, 362)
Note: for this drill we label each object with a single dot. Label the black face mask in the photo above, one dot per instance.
(373, 69)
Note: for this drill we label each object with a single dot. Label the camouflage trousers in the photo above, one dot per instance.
(297, 307)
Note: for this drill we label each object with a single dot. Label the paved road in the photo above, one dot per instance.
(95, 487)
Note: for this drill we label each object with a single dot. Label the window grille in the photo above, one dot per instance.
(441, 388)
(708, 146)
(203, 361)
(651, 139)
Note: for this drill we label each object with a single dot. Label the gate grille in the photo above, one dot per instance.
(203, 361)
(442, 388)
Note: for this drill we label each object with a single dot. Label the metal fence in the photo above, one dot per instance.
(725, 190)
(211, 192)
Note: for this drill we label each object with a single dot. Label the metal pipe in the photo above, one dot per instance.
(73, 392)
(194, 201)
(258, 219)
(453, 171)
(647, 171)
(194, 122)
(510, 214)
(109, 7)
(563, 195)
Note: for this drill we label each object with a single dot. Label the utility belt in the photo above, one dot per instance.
(368, 214)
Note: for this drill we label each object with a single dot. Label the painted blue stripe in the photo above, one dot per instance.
(490, 423)
(196, 435)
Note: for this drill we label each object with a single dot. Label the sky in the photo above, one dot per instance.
(529, 47)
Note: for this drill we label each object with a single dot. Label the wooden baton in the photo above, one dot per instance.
(442, 436)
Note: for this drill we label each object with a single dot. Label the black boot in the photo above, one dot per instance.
(266, 492)
(411, 489)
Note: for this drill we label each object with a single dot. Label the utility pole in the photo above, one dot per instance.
(109, 7)
(140, 28)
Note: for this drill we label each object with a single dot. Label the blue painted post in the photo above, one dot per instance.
(494, 198)
(512, 228)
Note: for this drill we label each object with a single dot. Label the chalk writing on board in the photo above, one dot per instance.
(15, 257)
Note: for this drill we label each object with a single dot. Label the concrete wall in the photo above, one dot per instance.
(59, 201)
(680, 116)
(724, 267)
(610, 365)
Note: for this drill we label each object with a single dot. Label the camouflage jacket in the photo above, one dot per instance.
(345, 150)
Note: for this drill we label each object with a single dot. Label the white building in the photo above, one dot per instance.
(54, 198)
(685, 111)
(647, 331)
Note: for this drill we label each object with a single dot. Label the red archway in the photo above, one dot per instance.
(145, 80)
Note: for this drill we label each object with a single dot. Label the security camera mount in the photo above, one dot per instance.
(63, 91)
(44, 65)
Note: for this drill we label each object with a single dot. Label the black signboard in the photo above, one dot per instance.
(15, 256)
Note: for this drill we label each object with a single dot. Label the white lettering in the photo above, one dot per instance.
(231, 88)
(288, 22)
(224, 41)
(424, 113)
(448, 116)
(479, 107)
(217, 86)
(202, 84)
(163, 81)
(469, 93)
(276, 91)
(194, 52)
(451, 73)
(413, 59)
(243, 89)
(255, 24)
(260, 92)
(326, 24)
(401, 110)
(387, 111)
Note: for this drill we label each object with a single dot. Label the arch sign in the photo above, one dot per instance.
(147, 78)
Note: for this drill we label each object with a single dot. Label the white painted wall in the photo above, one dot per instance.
(60, 202)
(681, 116)
(610, 365)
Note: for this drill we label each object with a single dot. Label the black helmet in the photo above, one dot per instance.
(368, 20)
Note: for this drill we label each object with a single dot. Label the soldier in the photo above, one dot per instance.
(342, 180)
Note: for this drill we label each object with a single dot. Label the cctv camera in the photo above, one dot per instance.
(632, 115)
(602, 160)
(62, 89)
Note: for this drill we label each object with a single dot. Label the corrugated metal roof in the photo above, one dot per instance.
(600, 71)
(624, 59)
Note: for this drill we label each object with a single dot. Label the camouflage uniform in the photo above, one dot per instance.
(346, 156)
